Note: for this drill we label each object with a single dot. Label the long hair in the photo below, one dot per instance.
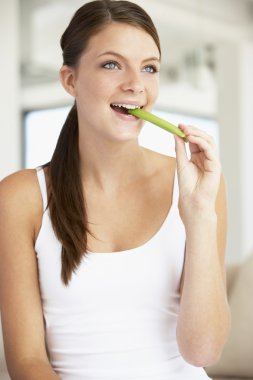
(66, 200)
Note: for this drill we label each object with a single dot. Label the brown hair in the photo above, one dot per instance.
(66, 200)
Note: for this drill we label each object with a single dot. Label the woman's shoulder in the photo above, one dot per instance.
(160, 162)
(161, 173)
(20, 192)
(23, 182)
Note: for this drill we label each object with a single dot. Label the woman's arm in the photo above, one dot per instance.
(21, 311)
(204, 316)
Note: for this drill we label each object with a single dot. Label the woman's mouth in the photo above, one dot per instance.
(123, 108)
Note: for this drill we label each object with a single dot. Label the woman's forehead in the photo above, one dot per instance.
(122, 38)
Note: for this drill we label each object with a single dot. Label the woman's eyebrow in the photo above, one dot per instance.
(122, 57)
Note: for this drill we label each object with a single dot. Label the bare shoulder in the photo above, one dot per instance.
(20, 197)
(160, 162)
(221, 204)
(161, 169)
(222, 194)
(19, 183)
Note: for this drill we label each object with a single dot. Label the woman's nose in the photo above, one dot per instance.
(133, 83)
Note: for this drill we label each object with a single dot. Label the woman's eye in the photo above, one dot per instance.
(150, 69)
(111, 65)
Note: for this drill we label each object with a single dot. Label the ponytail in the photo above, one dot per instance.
(66, 200)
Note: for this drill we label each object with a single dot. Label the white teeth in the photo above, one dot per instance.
(128, 106)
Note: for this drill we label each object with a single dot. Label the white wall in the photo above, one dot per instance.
(10, 136)
(235, 77)
(246, 127)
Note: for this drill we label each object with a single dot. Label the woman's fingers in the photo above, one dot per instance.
(202, 148)
(181, 154)
(200, 141)
(199, 174)
(189, 130)
(201, 145)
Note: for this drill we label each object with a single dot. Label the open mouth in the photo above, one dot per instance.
(123, 108)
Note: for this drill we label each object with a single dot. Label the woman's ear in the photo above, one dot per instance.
(67, 77)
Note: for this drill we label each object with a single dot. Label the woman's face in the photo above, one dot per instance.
(119, 66)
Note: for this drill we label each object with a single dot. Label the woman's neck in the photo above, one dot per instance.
(109, 166)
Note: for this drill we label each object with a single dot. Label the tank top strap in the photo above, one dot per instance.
(43, 185)
(175, 195)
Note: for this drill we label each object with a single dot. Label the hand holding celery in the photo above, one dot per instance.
(140, 113)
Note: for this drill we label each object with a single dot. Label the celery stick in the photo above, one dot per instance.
(140, 113)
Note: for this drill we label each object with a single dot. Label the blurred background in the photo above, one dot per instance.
(206, 80)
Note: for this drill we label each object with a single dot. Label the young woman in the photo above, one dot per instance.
(112, 255)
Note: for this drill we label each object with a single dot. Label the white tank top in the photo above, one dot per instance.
(116, 320)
